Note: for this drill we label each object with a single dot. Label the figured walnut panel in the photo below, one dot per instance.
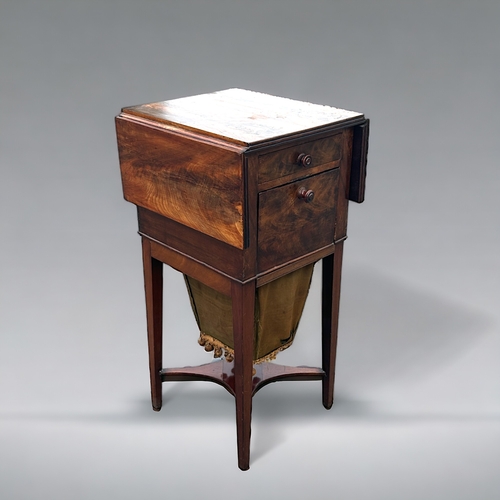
(192, 182)
(289, 227)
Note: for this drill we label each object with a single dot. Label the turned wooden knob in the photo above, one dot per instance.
(305, 194)
(304, 160)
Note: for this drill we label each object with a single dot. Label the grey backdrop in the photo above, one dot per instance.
(417, 412)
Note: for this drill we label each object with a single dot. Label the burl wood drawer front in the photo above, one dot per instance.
(291, 224)
(298, 160)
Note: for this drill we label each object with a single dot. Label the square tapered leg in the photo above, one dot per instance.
(243, 302)
(332, 269)
(153, 286)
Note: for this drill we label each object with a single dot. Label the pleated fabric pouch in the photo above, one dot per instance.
(278, 309)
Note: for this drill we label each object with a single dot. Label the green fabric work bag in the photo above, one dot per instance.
(278, 308)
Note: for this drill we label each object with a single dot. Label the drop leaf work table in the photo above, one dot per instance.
(240, 190)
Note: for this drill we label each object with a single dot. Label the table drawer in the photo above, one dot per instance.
(300, 159)
(291, 224)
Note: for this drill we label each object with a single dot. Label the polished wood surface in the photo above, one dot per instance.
(202, 248)
(197, 184)
(331, 274)
(222, 373)
(357, 183)
(243, 305)
(286, 163)
(242, 116)
(342, 203)
(153, 286)
(288, 226)
(237, 189)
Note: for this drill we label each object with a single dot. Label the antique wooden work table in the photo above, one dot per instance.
(236, 189)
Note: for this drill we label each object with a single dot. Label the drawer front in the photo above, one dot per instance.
(290, 224)
(300, 159)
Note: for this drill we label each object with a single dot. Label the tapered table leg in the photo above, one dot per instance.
(332, 269)
(243, 303)
(153, 285)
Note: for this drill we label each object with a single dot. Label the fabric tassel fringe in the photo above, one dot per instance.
(219, 349)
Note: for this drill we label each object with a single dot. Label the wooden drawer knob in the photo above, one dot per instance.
(304, 160)
(305, 194)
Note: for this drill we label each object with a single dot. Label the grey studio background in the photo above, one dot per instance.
(417, 411)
